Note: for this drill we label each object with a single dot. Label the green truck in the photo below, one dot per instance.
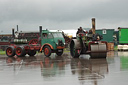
(52, 42)
(47, 42)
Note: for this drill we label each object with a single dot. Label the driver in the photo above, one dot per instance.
(80, 30)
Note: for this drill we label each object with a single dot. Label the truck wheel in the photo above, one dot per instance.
(10, 51)
(47, 51)
(20, 51)
(59, 52)
(73, 51)
(31, 52)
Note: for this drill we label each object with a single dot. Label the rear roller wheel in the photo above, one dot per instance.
(10, 51)
(73, 51)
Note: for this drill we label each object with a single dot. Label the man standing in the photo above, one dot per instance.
(80, 30)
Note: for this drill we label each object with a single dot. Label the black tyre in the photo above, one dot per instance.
(20, 51)
(73, 51)
(59, 52)
(47, 51)
(10, 51)
(31, 52)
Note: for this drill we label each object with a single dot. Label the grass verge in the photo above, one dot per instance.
(2, 52)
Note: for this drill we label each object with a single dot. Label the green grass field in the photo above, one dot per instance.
(115, 48)
(2, 52)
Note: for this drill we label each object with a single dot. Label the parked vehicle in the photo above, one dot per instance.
(5, 41)
(48, 42)
(123, 39)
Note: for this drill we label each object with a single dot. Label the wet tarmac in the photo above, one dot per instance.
(64, 70)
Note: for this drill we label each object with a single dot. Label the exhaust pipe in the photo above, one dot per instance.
(93, 25)
(40, 28)
(40, 33)
(13, 34)
(17, 28)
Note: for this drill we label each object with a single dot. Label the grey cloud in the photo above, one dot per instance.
(62, 14)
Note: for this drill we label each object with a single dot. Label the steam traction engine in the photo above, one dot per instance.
(88, 43)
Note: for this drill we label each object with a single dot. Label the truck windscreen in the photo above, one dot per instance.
(57, 35)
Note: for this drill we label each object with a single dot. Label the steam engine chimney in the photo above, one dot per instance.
(93, 25)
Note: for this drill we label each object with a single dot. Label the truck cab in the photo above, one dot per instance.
(52, 42)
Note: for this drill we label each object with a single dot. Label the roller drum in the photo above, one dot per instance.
(98, 50)
(98, 47)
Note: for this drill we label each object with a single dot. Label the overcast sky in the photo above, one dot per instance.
(62, 14)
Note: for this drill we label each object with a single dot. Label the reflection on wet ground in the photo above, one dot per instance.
(56, 70)
(89, 69)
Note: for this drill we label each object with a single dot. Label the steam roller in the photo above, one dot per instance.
(88, 43)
